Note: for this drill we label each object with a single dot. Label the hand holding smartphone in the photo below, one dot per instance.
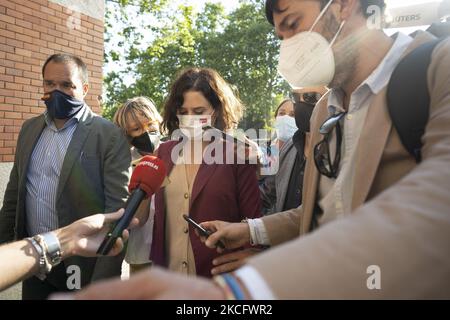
(203, 232)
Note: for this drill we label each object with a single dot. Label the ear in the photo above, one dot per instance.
(348, 8)
(85, 89)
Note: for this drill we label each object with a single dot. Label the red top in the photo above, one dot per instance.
(227, 192)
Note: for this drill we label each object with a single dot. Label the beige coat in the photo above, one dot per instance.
(401, 212)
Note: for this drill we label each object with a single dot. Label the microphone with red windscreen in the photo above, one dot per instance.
(146, 179)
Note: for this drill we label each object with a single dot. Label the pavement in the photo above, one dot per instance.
(15, 292)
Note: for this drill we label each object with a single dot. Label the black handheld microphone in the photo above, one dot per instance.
(147, 177)
(116, 231)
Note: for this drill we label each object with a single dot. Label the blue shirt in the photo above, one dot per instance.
(43, 174)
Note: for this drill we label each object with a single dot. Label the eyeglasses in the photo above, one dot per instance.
(322, 155)
(308, 97)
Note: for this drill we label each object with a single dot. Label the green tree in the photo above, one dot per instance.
(241, 46)
(245, 53)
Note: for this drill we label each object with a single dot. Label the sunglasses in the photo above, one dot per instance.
(322, 155)
(308, 97)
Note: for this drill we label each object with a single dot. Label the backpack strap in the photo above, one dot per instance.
(408, 97)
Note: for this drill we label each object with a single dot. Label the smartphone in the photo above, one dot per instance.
(203, 232)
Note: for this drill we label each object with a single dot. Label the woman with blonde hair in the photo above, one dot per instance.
(140, 121)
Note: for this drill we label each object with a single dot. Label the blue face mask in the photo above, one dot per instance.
(62, 106)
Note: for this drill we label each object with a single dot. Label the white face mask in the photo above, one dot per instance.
(306, 59)
(286, 127)
(192, 125)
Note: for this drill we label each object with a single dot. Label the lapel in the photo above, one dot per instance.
(370, 148)
(205, 172)
(311, 178)
(287, 160)
(167, 156)
(74, 149)
(27, 148)
(374, 137)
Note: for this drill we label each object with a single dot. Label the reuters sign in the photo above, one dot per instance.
(417, 15)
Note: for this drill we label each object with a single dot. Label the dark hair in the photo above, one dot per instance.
(227, 106)
(68, 58)
(272, 6)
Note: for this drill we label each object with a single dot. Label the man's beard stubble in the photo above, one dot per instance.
(345, 51)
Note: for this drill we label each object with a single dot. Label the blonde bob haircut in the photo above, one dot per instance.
(135, 107)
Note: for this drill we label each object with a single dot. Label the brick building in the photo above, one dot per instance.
(30, 31)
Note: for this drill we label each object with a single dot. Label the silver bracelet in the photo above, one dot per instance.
(49, 250)
(251, 227)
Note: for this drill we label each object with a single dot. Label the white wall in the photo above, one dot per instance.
(92, 8)
(5, 170)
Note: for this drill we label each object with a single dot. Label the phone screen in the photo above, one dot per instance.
(203, 231)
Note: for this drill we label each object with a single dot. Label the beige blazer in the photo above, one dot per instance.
(401, 212)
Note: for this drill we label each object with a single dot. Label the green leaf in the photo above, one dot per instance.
(241, 46)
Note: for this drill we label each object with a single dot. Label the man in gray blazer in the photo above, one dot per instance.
(69, 163)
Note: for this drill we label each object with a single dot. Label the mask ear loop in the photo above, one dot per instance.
(321, 15)
(337, 33)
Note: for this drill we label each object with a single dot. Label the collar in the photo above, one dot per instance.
(378, 79)
(382, 74)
